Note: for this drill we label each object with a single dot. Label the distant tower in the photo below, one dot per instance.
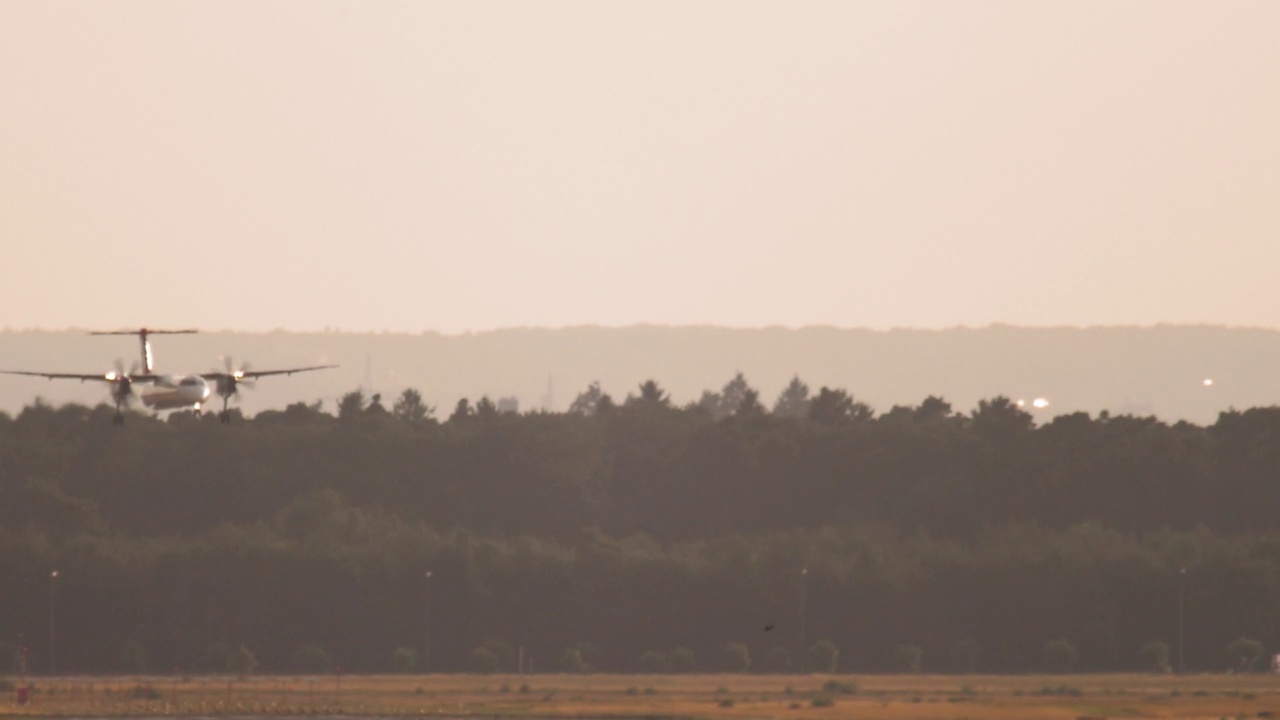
(549, 399)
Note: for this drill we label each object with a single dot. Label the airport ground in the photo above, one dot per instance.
(655, 697)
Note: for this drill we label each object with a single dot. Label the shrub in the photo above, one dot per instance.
(571, 661)
(590, 656)
(682, 660)
(310, 658)
(220, 657)
(909, 657)
(144, 692)
(1063, 690)
(241, 661)
(483, 660)
(133, 657)
(1059, 656)
(1244, 654)
(823, 657)
(505, 654)
(653, 662)
(823, 701)
(835, 687)
(1154, 656)
(404, 660)
(736, 657)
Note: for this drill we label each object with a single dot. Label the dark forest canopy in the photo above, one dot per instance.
(629, 527)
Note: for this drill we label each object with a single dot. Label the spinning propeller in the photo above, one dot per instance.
(229, 381)
(121, 387)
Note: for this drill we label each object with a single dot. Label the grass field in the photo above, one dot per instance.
(654, 697)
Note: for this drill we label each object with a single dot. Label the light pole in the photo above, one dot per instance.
(804, 651)
(1182, 593)
(53, 597)
(24, 691)
(426, 624)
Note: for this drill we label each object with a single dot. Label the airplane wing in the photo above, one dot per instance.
(60, 376)
(100, 377)
(253, 374)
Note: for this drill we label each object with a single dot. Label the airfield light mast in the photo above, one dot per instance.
(1182, 594)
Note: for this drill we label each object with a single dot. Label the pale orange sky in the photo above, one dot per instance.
(455, 166)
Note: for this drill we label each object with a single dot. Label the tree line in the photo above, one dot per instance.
(637, 535)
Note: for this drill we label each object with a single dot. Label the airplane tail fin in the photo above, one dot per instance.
(148, 359)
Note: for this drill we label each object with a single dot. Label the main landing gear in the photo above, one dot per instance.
(224, 415)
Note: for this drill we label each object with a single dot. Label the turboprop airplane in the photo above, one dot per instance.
(169, 392)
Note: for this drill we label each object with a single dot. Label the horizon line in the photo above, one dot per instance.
(687, 326)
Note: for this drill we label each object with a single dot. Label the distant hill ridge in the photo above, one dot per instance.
(1156, 370)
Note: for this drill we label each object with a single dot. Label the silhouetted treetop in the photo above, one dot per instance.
(793, 401)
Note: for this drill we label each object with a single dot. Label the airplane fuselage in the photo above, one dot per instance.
(174, 392)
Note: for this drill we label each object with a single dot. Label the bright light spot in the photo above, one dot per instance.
(1039, 403)
(1208, 382)
(1021, 403)
(112, 375)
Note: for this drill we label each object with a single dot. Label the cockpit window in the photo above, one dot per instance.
(190, 381)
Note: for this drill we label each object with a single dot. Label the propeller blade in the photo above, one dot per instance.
(232, 378)
(122, 389)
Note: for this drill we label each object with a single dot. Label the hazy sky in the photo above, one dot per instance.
(470, 165)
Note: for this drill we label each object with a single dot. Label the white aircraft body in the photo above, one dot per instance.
(169, 392)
